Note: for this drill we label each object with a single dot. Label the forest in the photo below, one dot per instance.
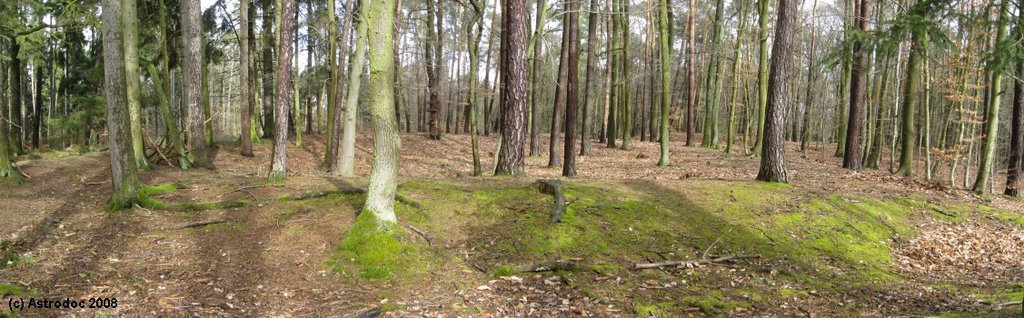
(511, 158)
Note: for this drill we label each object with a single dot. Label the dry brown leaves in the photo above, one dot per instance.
(981, 252)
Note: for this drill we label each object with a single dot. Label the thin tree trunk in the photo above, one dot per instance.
(571, 29)
(348, 142)
(245, 80)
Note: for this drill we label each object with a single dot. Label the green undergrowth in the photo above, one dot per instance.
(203, 206)
(143, 196)
(14, 290)
(375, 251)
(814, 242)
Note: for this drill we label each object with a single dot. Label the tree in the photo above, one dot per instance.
(773, 168)
(192, 70)
(910, 103)
(124, 174)
(666, 79)
(858, 79)
(736, 64)
(245, 79)
(591, 73)
(268, 69)
(380, 199)
(995, 92)
(348, 140)
(533, 50)
(334, 114)
(691, 71)
(513, 74)
(714, 80)
(571, 30)
(1016, 154)
(433, 49)
(279, 162)
(554, 159)
(474, 31)
(811, 72)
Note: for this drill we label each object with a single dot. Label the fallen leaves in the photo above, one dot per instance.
(983, 252)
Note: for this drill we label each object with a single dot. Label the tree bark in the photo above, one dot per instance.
(666, 80)
(245, 79)
(691, 71)
(995, 91)
(773, 168)
(124, 175)
(852, 158)
(348, 142)
(513, 74)
(380, 199)
(279, 162)
(572, 88)
(268, 69)
(1016, 137)
(193, 95)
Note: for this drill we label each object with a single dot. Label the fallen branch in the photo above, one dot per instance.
(554, 188)
(23, 174)
(243, 189)
(203, 223)
(422, 234)
(367, 313)
(320, 194)
(193, 207)
(696, 263)
(940, 211)
(408, 201)
(157, 148)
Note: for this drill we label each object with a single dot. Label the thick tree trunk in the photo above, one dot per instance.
(193, 95)
(124, 175)
(279, 162)
(773, 168)
(378, 15)
(433, 51)
(910, 92)
(129, 22)
(513, 94)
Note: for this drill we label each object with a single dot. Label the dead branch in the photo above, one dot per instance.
(554, 188)
(203, 223)
(367, 313)
(243, 189)
(22, 172)
(157, 148)
(705, 255)
(696, 263)
(321, 193)
(422, 234)
(193, 207)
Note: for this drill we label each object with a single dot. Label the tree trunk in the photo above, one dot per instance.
(245, 79)
(773, 168)
(571, 29)
(124, 174)
(852, 158)
(334, 112)
(1016, 137)
(762, 73)
(513, 93)
(474, 31)
(348, 142)
(736, 64)
(615, 53)
(995, 67)
(268, 69)
(380, 199)
(533, 51)
(809, 100)
(591, 73)
(433, 51)
(691, 71)
(554, 158)
(625, 101)
(664, 31)
(193, 95)
(279, 162)
(910, 103)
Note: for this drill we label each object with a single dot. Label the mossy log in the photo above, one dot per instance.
(554, 188)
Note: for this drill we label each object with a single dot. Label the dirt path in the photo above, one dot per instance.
(267, 258)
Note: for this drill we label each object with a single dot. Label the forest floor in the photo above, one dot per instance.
(832, 243)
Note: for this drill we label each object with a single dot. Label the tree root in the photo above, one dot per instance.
(554, 188)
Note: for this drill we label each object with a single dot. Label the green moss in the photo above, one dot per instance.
(605, 269)
(12, 290)
(652, 310)
(503, 270)
(374, 250)
(713, 303)
(162, 188)
(130, 196)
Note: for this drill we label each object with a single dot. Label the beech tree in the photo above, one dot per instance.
(124, 174)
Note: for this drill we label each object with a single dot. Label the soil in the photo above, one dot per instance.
(267, 258)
